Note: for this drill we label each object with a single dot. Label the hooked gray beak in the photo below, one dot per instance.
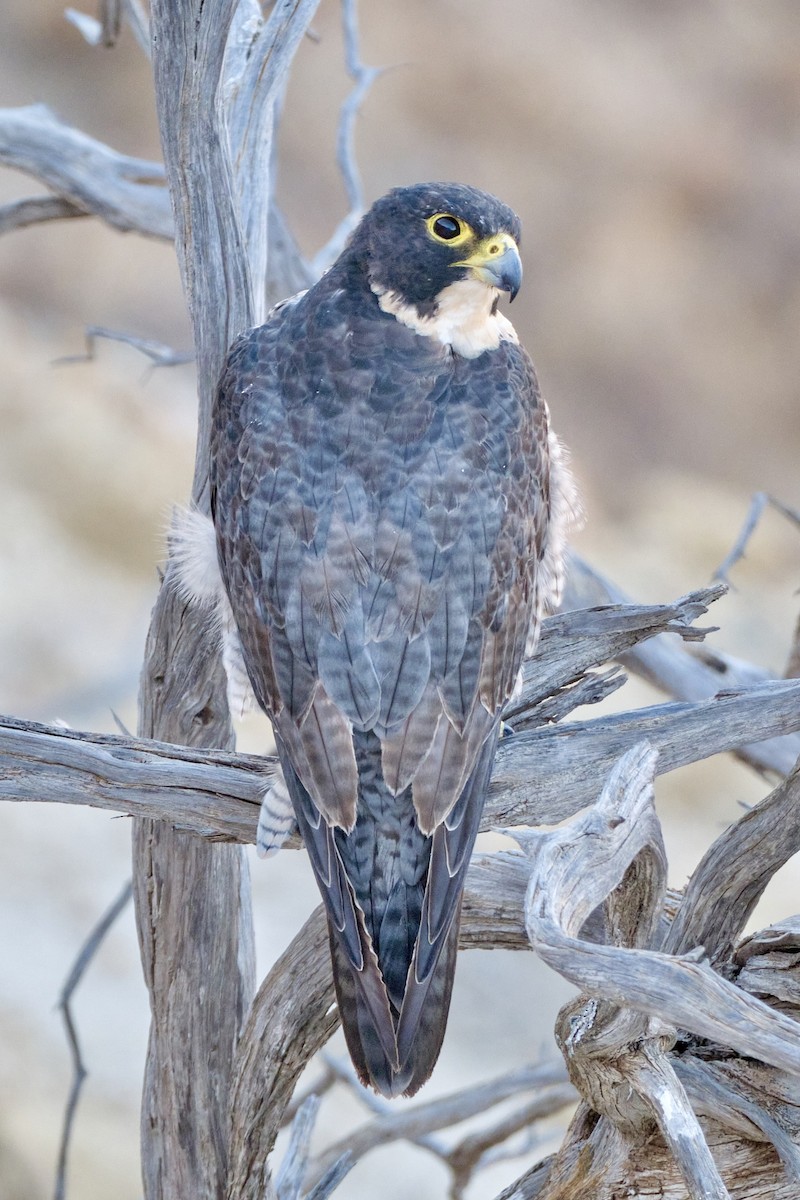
(497, 262)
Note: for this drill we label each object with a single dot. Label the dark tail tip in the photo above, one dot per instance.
(424, 1039)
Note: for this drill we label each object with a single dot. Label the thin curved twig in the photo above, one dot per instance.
(363, 77)
(35, 210)
(84, 958)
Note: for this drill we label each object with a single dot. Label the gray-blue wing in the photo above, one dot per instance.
(382, 508)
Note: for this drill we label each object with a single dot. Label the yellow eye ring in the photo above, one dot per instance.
(444, 227)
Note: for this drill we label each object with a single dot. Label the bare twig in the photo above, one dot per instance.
(120, 724)
(139, 22)
(111, 19)
(106, 31)
(35, 209)
(85, 956)
(363, 77)
(424, 1119)
(160, 355)
(755, 512)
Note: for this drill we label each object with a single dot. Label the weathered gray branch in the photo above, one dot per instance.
(548, 774)
(585, 635)
(549, 1079)
(194, 921)
(540, 776)
(636, 1001)
(37, 209)
(576, 869)
(685, 675)
(258, 57)
(128, 193)
(193, 903)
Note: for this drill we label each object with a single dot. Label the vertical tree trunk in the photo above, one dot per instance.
(193, 899)
(194, 921)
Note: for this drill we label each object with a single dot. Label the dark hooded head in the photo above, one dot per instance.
(418, 240)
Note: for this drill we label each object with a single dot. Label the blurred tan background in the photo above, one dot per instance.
(653, 152)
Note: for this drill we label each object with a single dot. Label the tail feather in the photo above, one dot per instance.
(419, 1040)
(393, 900)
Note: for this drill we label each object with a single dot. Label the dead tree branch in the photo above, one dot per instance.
(85, 956)
(539, 777)
(638, 1001)
(686, 674)
(127, 193)
(35, 210)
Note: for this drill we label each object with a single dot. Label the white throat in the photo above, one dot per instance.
(466, 317)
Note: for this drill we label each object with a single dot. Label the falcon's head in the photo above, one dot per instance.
(420, 241)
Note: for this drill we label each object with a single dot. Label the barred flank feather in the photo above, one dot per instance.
(276, 819)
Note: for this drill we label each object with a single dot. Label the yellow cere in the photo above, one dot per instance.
(487, 249)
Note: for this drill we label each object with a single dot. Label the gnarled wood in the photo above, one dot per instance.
(625, 1038)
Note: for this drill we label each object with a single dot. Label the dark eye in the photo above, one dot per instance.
(446, 228)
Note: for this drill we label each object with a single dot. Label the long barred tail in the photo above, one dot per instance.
(375, 1069)
(393, 901)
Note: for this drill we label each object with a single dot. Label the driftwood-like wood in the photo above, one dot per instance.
(626, 1039)
(194, 922)
(697, 675)
(192, 898)
(127, 193)
(540, 776)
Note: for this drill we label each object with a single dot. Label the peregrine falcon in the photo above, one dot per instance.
(389, 506)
